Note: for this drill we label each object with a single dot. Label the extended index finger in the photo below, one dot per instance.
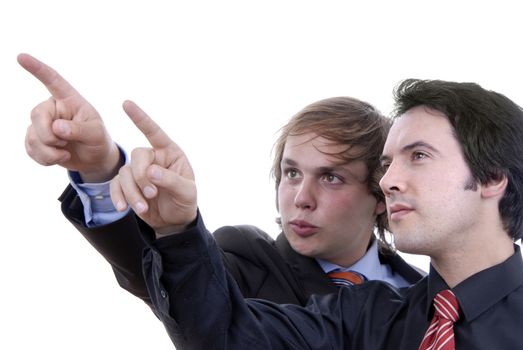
(57, 86)
(152, 131)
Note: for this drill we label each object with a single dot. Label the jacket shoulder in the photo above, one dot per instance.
(243, 240)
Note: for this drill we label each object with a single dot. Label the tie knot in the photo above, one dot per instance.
(346, 278)
(446, 305)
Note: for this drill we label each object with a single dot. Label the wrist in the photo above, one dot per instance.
(107, 169)
(169, 230)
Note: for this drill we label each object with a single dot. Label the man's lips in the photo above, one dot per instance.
(302, 228)
(397, 211)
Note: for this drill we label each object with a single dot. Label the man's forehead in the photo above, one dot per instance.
(419, 125)
(329, 148)
(326, 161)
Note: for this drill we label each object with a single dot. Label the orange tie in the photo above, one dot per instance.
(440, 334)
(346, 278)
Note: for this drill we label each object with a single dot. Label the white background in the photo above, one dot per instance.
(221, 77)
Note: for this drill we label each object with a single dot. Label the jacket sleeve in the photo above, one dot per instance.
(201, 306)
(120, 243)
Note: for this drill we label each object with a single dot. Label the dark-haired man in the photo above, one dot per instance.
(453, 188)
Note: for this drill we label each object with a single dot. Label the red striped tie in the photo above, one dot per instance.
(440, 335)
(346, 278)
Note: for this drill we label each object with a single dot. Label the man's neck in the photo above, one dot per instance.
(473, 257)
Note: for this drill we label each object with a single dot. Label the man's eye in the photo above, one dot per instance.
(418, 155)
(331, 178)
(291, 173)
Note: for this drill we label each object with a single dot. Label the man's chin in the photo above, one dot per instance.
(303, 249)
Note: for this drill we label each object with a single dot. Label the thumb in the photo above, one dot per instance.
(88, 132)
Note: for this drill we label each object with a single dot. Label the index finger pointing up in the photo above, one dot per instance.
(152, 131)
(57, 86)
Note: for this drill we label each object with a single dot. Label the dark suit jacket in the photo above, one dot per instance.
(263, 268)
(270, 269)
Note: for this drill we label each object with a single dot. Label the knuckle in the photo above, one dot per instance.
(48, 139)
(42, 159)
(124, 170)
(30, 151)
(35, 114)
(140, 153)
(30, 139)
(137, 150)
(42, 110)
(47, 159)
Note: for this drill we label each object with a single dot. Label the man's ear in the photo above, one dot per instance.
(380, 208)
(495, 187)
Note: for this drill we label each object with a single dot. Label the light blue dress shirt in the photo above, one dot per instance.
(369, 266)
(96, 199)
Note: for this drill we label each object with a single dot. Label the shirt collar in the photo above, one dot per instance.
(495, 283)
(368, 265)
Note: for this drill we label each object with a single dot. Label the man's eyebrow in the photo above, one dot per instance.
(409, 147)
(418, 144)
(327, 168)
(321, 169)
(384, 158)
(288, 161)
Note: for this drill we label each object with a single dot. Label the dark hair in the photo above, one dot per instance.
(489, 127)
(349, 122)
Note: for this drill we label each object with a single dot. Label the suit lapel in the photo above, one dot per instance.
(307, 271)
